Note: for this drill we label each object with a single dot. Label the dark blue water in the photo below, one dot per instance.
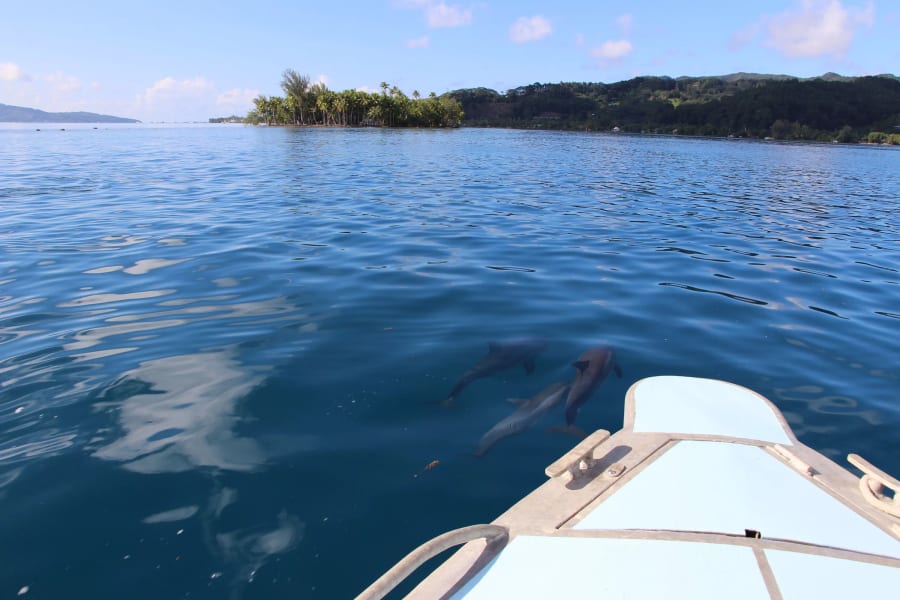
(221, 347)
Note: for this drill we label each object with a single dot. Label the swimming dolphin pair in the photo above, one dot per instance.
(528, 413)
(500, 356)
(592, 367)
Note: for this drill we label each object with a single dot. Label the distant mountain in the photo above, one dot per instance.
(20, 114)
(749, 77)
(762, 77)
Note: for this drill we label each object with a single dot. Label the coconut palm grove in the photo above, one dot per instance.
(306, 103)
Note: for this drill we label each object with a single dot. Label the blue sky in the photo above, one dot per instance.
(189, 60)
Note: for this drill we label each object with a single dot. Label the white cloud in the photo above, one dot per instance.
(53, 92)
(817, 28)
(625, 23)
(579, 40)
(169, 90)
(438, 13)
(237, 99)
(421, 42)
(57, 91)
(172, 99)
(612, 50)
(530, 29)
(12, 72)
(447, 15)
(63, 84)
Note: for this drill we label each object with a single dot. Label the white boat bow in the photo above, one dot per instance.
(704, 493)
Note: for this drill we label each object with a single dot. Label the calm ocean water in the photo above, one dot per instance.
(221, 347)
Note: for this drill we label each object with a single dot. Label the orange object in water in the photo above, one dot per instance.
(427, 467)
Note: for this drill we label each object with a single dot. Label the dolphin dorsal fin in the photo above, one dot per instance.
(517, 401)
(581, 365)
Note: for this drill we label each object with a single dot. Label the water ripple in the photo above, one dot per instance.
(717, 292)
(202, 329)
(509, 268)
(34, 445)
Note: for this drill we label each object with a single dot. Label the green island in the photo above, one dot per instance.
(310, 104)
(828, 108)
(741, 105)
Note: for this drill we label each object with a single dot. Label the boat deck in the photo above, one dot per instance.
(705, 491)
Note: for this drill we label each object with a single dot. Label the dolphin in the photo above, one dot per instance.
(527, 414)
(499, 358)
(592, 366)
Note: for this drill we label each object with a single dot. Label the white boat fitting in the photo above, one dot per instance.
(705, 493)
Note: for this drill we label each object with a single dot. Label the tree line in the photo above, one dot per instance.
(741, 105)
(306, 103)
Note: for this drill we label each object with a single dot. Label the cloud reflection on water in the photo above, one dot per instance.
(141, 267)
(184, 414)
(109, 298)
(151, 321)
(251, 548)
(172, 516)
(7, 478)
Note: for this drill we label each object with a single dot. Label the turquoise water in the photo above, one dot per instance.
(221, 347)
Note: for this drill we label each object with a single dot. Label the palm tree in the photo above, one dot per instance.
(325, 104)
(295, 87)
(292, 108)
(341, 104)
(314, 99)
(353, 107)
(279, 110)
(262, 107)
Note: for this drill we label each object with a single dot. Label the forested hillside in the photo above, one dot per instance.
(741, 105)
(21, 114)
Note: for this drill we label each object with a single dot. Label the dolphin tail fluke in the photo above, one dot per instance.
(465, 380)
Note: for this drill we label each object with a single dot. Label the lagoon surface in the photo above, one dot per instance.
(221, 347)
